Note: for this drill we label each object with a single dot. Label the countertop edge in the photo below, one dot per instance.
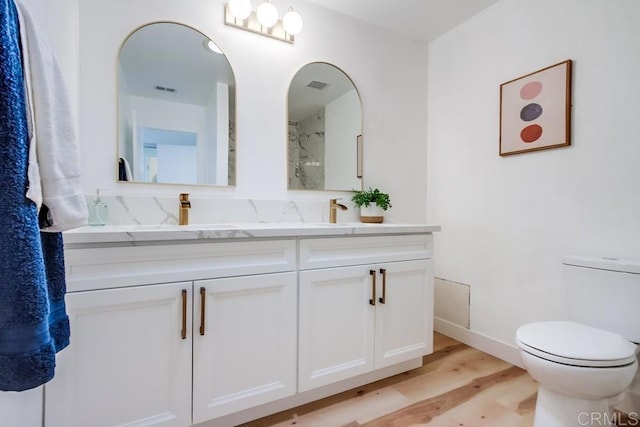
(168, 233)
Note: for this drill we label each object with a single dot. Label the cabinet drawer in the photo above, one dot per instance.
(101, 268)
(343, 251)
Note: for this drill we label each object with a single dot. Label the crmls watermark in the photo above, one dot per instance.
(607, 419)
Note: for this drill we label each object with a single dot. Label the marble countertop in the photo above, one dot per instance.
(168, 232)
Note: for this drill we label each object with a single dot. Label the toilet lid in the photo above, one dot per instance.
(575, 344)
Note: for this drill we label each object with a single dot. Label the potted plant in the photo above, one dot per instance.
(372, 204)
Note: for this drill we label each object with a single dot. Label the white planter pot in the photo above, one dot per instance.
(372, 214)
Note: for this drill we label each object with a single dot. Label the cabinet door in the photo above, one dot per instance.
(246, 354)
(404, 312)
(336, 325)
(22, 409)
(127, 363)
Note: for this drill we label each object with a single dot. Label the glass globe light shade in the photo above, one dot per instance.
(240, 9)
(267, 14)
(292, 22)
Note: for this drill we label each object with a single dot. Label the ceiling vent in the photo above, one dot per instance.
(164, 89)
(317, 85)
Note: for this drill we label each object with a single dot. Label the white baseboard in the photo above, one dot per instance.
(499, 349)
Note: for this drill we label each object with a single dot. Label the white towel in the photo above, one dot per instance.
(34, 191)
(53, 134)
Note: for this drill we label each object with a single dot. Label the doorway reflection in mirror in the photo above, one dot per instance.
(176, 108)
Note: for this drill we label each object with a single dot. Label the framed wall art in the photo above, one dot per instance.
(535, 110)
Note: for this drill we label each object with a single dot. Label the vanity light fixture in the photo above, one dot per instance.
(292, 22)
(240, 9)
(267, 14)
(264, 20)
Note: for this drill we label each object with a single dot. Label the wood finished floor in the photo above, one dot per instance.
(457, 386)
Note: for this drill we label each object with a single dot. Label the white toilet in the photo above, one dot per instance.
(585, 365)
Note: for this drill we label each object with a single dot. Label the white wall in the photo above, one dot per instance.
(389, 71)
(506, 222)
(221, 135)
(343, 118)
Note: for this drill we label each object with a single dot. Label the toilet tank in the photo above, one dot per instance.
(604, 293)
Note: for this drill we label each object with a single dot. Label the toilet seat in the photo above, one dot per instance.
(574, 344)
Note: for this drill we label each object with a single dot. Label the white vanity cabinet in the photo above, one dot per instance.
(138, 355)
(244, 347)
(365, 303)
(128, 362)
(220, 326)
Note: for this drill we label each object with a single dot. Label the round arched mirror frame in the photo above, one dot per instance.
(324, 130)
(176, 108)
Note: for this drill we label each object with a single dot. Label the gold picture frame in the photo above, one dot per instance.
(535, 110)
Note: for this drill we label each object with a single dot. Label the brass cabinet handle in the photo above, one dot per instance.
(203, 296)
(183, 333)
(372, 301)
(383, 299)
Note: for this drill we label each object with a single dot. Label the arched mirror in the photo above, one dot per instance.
(176, 102)
(325, 130)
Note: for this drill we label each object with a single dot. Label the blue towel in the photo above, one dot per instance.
(53, 253)
(28, 308)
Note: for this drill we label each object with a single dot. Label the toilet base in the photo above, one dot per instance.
(556, 410)
(630, 399)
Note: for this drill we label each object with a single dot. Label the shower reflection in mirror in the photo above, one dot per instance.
(324, 130)
(176, 105)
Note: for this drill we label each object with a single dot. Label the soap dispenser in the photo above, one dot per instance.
(98, 211)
